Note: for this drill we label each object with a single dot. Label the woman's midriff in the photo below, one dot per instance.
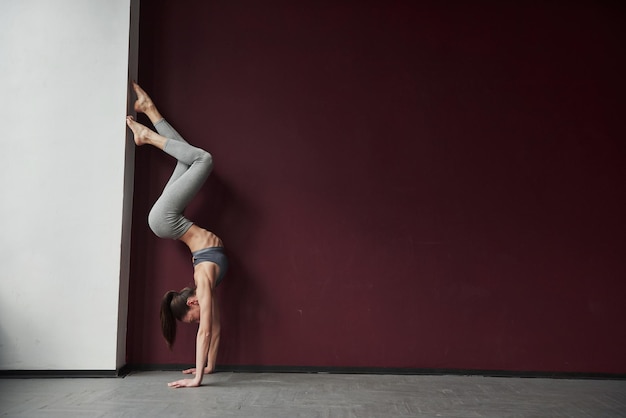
(198, 238)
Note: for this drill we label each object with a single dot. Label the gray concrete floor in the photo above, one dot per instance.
(290, 395)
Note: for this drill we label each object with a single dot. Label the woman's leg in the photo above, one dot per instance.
(166, 219)
(166, 130)
(144, 104)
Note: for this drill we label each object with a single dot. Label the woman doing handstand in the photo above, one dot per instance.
(166, 220)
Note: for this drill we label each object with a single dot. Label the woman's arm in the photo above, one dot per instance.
(215, 341)
(203, 339)
(204, 292)
(215, 336)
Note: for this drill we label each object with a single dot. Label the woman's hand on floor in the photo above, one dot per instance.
(184, 383)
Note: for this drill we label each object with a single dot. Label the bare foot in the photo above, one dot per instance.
(140, 132)
(144, 103)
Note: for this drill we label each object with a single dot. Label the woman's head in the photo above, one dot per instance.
(182, 306)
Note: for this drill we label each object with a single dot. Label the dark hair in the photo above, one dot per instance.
(173, 307)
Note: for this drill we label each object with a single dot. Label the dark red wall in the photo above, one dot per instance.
(399, 184)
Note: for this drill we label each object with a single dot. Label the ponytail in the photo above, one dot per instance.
(174, 307)
(168, 322)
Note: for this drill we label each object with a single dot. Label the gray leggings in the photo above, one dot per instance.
(194, 166)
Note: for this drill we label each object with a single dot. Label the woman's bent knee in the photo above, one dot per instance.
(166, 224)
(206, 158)
(156, 222)
(159, 224)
